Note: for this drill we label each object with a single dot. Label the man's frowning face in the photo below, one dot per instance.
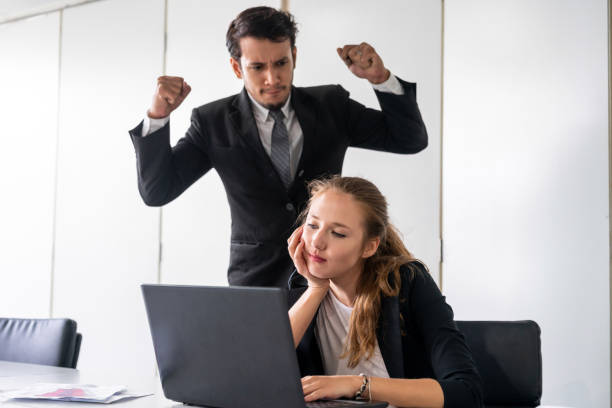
(266, 68)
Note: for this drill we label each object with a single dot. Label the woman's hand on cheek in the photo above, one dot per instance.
(330, 387)
(297, 253)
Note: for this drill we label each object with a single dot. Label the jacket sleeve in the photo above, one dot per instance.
(307, 352)
(296, 286)
(165, 172)
(449, 355)
(397, 128)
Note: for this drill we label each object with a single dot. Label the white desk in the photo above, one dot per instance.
(15, 375)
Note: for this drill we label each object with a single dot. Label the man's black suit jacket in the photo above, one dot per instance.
(223, 134)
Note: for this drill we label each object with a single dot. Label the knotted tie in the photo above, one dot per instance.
(279, 153)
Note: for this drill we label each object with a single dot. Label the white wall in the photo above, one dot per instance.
(27, 163)
(526, 180)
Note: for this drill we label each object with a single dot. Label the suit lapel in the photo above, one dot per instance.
(306, 112)
(389, 336)
(244, 122)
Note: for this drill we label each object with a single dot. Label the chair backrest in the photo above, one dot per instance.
(508, 357)
(40, 341)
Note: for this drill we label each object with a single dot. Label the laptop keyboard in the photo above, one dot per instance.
(333, 404)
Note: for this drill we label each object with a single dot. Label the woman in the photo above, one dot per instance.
(367, 319)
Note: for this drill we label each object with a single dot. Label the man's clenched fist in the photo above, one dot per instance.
(363, 61)
(169, 94)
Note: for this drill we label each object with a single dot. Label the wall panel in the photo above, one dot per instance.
(29, 70)
(526, 180)
(107, 239)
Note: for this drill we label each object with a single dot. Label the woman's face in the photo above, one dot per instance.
(334, 236)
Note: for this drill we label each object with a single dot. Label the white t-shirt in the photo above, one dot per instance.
(331, 330)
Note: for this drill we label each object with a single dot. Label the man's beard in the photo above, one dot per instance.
(276, 106)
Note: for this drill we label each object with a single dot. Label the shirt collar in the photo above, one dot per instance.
(261, 113)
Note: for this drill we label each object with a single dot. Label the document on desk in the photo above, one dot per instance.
(71, 392)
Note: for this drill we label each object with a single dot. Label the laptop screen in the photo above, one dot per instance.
(224, 346)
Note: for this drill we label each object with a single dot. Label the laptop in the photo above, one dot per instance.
(227, 347)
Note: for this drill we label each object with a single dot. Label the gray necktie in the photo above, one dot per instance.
(279, 153)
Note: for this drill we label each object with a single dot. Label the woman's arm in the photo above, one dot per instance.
(304, 310)
(396, 391)
(424, 392)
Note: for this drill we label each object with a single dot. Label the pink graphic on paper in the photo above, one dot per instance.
(65, 392)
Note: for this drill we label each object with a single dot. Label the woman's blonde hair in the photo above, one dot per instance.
(381, 275)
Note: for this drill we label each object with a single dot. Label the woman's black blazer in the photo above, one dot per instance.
(417, 336)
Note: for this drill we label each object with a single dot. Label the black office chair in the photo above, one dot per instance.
(508, 357)
(52, 342)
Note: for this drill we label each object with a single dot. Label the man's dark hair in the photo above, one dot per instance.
(260, 22)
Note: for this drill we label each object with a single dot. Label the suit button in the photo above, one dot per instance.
(289, 207)
(300, 173)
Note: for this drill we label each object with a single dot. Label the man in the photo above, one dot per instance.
(268, 141)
